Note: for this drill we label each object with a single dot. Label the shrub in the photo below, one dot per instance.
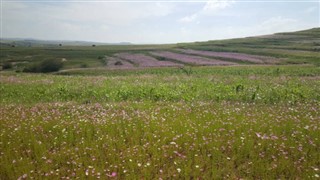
(84, 65)
(45, 66)
(7, 65)
(118, 63)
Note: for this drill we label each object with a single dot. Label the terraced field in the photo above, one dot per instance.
(234, 56)
(283, 48)
(117, 63)
(145, 61)
(189, 59)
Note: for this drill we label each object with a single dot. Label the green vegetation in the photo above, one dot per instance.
(291, 48)
(44, 66)
(214, 122)
(294, 47)
(259, 84)
(7, 65)
(193, 122)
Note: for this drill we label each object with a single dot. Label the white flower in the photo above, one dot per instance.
(179, 170)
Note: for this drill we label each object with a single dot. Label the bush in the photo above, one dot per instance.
(45, 66)
(118, 63)
(84, 65)
(7, 65)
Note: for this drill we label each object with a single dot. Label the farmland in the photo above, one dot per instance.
(243, 108)
(300, 47)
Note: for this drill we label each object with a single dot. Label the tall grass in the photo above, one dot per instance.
(258, 84)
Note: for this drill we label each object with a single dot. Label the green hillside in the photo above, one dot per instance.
(297, 47)
(302, 47)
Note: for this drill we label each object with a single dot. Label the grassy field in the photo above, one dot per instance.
(244, 121)
(255, 122)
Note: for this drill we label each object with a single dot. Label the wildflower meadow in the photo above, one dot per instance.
(211, 123)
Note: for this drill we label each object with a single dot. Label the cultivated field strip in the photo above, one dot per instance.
(190, 59)
(234, 56)
(145, 61)
(116, 63)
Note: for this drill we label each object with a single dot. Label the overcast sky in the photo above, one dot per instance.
(154, 21)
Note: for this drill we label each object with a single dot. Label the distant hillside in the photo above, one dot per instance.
(48, 43)
(296, 47)
(301, 47)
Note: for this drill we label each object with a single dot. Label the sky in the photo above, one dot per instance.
(154, 21)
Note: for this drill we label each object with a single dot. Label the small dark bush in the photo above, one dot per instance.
(84, 65)
(162, 58)
(118, 63)
(45, 66)
(7, 65)
(50, 65)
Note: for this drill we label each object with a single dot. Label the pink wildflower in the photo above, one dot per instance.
(113, 174)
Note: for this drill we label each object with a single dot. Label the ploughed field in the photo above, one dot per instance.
(230, 122)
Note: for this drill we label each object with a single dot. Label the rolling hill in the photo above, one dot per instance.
(301, 47)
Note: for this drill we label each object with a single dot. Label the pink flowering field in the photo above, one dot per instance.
(234, 56)
(211, 123)
(112, 63)
(190, 59)
(145, 61)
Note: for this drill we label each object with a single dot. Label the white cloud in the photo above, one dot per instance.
(215, 5)
(187, 19)
(211, 8)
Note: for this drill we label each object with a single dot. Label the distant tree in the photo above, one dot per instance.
(60, 44)
(93, 45)
(13, 45)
